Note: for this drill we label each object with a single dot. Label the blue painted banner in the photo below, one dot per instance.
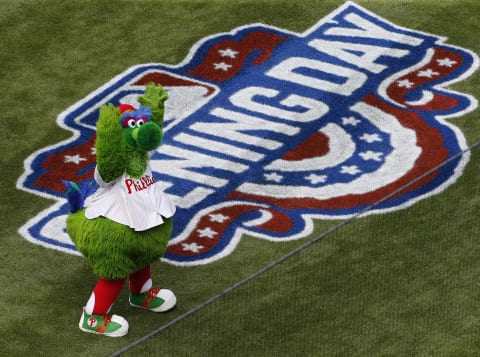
(267, 130)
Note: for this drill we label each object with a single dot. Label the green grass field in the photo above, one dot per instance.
(398, 284)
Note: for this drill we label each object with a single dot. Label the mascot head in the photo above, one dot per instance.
(138, 129)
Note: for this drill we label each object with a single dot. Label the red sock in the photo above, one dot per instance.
(103, 296)
(139, 279)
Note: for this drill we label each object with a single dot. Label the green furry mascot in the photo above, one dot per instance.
(127, 222)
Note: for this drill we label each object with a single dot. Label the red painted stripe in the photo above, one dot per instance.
(316, 145)
(433, 153)
(59, 170)
(439, 102)
(256, 40)
(280, 222)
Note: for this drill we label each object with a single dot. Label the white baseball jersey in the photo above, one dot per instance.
(137, 203)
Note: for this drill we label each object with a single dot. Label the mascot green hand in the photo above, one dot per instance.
(126, 224)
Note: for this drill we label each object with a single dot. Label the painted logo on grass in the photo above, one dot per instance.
(267, 129)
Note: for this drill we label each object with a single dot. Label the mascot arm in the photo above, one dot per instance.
(111, 159)
(155, 98)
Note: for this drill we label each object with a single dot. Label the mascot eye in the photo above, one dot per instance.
(140, 122)
(128, 122)
(131, 123)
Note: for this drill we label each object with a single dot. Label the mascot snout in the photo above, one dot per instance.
(138, 128)
(148, 137)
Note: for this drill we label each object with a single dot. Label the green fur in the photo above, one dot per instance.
(110, 144)
(137, 163)
(113, 249)
(149, 136)
(128, 136)
(117, 150)
(155, 97)
(145, 138)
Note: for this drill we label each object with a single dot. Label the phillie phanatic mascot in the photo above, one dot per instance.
(127, 222)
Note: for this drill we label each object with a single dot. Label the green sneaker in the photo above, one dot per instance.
(155, 300)
(115, 326)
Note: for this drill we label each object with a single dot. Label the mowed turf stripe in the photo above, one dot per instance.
(292, 253)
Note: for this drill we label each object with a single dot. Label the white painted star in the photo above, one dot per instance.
(351, 170)
(371, 155)
(74, 159)
(193, 247)
(446, 62)
(427, 73)
(222, 65)
(228, 53)
(314, 179)
(370, 138)
(206, 232)
(273, 177)
(351, 120)
(405, 83)
(218, 218)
